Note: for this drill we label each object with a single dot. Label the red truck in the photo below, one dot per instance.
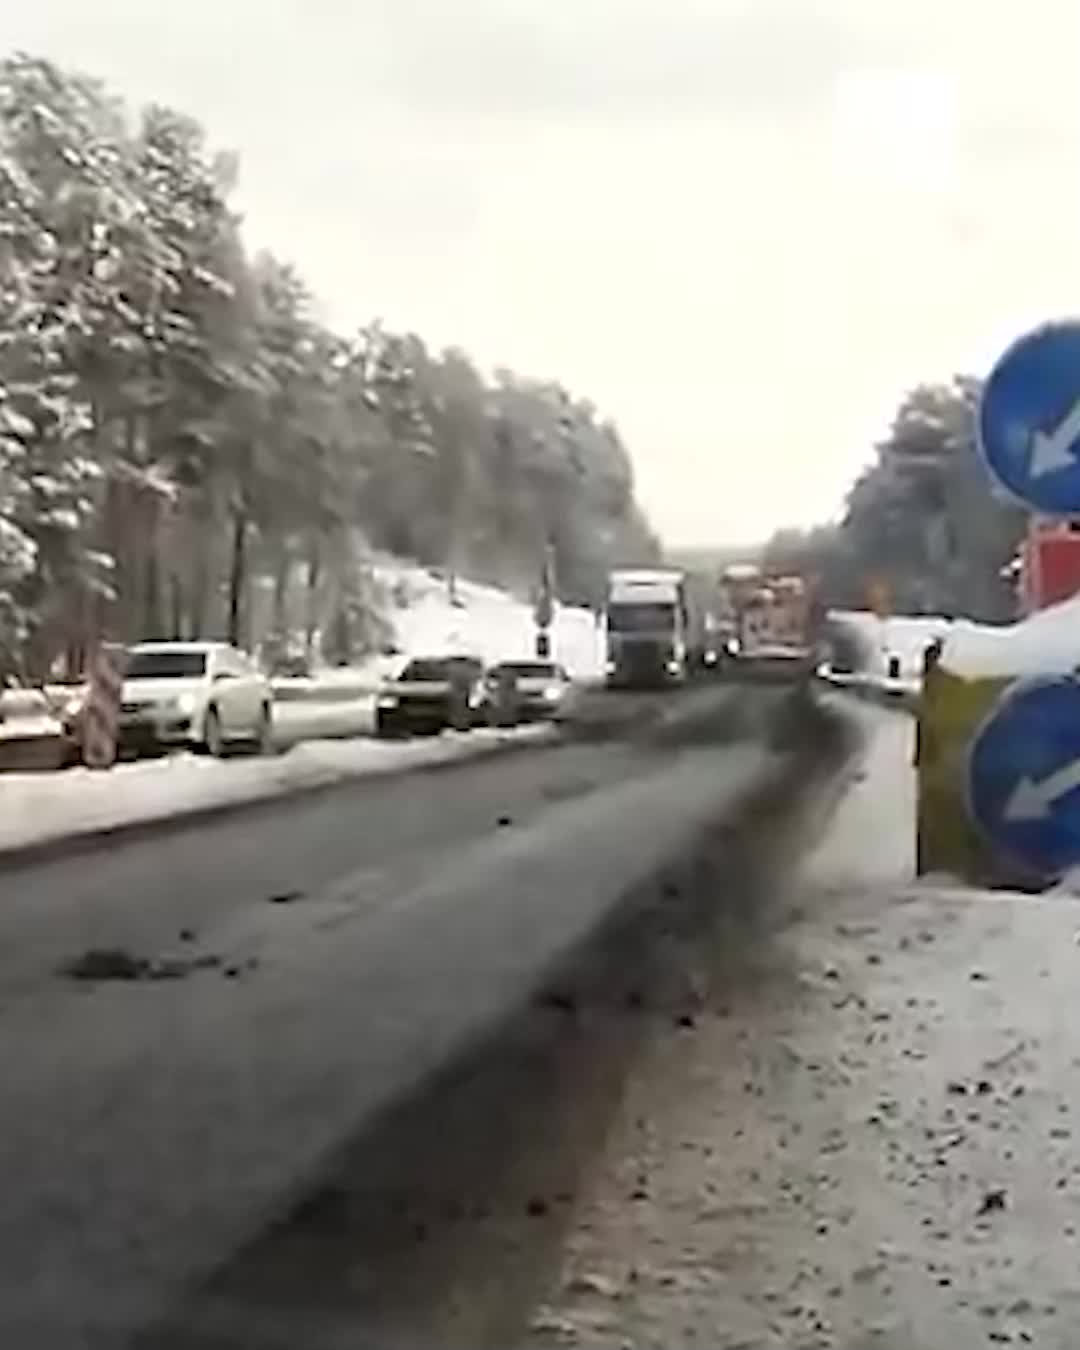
(775, 619)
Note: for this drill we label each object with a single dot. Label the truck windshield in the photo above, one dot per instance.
(639, 618)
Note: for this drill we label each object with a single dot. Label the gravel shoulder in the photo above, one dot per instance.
(870, 1135)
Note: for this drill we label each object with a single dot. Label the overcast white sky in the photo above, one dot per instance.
(743, 227)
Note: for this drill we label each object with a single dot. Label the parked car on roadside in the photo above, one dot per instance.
(526, 691)
(204, 695)
(432, 694)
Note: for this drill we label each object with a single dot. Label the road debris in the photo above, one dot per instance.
(589, 1283)
(993, 1202)
(104, 964)
(559, 1000)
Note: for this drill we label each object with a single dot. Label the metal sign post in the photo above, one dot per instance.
(544, 610)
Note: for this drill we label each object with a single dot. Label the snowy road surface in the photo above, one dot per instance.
(286, 971)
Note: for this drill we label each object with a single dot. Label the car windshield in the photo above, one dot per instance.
(427, 670)
(527, 670)
(640, 618)
(172, 664)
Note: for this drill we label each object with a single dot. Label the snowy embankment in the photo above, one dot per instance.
(485, 622)
(1045, 643)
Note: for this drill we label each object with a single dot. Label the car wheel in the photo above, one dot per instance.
(213, 740)
(460, 717)
(387, 728)
(264, 731)
(71, 755)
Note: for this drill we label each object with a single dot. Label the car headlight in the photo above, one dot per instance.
(673, 667)
(553, 693)
(386, 701)
(184, 703)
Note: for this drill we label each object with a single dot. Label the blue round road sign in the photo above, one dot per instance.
(1029, 419)
(1023, 774)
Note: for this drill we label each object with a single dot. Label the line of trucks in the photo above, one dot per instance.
(664, 625)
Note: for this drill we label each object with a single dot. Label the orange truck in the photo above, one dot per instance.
(775, 620)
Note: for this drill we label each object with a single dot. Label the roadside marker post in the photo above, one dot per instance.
(101, 715)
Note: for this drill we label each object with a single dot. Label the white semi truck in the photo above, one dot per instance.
(658, 626)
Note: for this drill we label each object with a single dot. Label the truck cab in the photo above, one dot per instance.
(646, 625)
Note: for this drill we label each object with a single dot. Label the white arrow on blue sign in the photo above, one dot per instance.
(1029, 419)
(1023, 774)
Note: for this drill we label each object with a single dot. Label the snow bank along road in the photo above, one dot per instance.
(192, 1025)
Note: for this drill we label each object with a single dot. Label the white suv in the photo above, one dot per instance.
(206, 695)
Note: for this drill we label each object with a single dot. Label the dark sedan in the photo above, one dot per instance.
(432, 694)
